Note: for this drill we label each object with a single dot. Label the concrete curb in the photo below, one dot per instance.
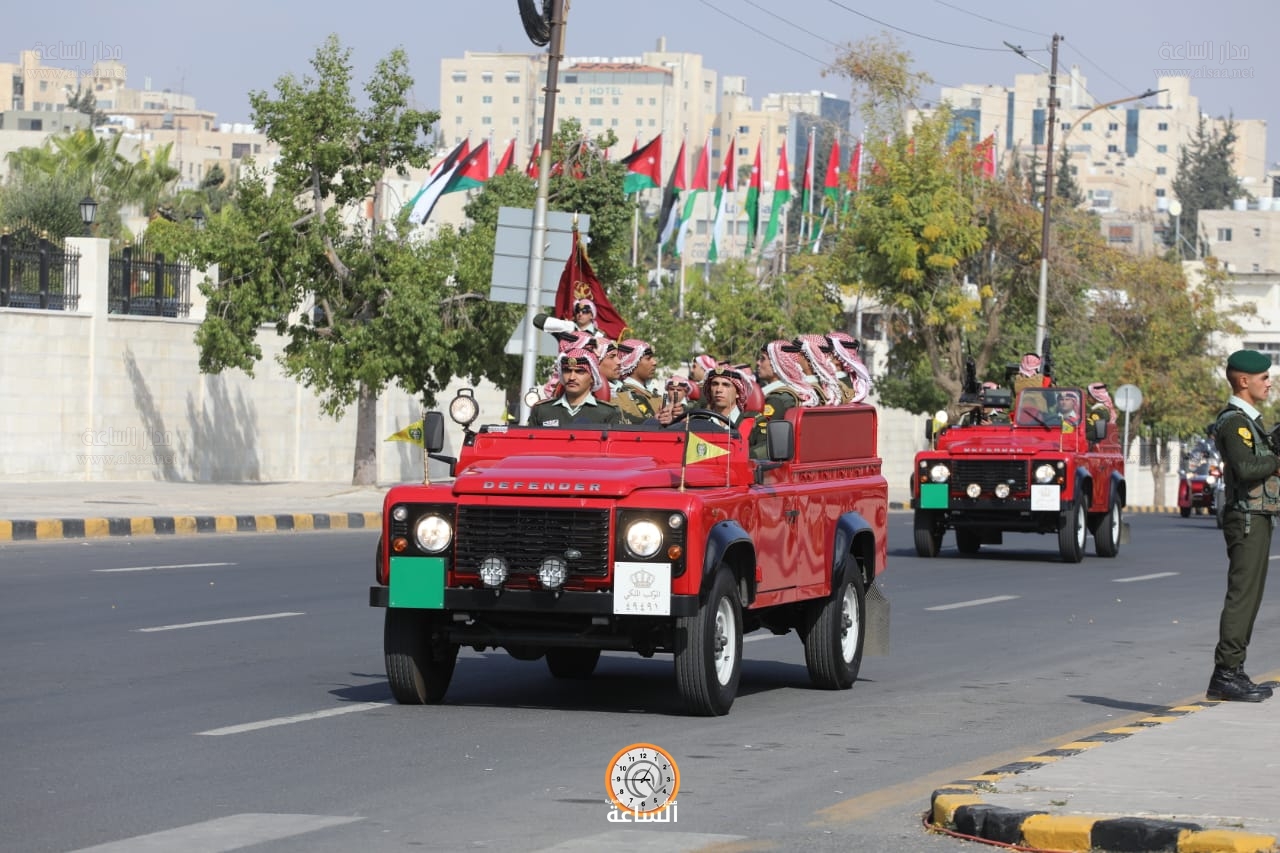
(958, 809)
(27, 530)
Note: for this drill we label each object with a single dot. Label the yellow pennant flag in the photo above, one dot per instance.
(700, 451)
(412, 433)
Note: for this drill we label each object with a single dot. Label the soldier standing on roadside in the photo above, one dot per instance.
(1251, 504)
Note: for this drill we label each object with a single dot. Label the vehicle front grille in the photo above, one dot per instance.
(988, 473)
(525, 536)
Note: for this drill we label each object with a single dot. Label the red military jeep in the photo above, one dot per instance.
(563, 542)
(1046, 470)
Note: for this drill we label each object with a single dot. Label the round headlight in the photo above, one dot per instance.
(552, 572)
(433, 534)
(493, 571)
(1044, 473)
(463, 408)
(644, 538)
(973, 490)
(1002, 490)
(939, 473)
(400, 513)
(675, 521)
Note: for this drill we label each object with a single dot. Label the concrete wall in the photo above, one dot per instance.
(90, 396)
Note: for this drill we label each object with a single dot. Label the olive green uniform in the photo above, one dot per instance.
(1248, 462)
(635, 403)
(558, 413)
(776, 403)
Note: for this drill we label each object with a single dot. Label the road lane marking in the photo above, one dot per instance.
(156, 568)
(216, 622)
(296, 718)
(756, 637)
(977, 602)
(1145, 577)
(221, 834)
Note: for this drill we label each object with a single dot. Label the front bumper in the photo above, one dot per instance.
(561, 603)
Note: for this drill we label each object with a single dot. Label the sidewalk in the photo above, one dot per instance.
(1199, 777)
(83, 510)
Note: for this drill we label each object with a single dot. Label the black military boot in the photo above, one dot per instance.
(1232, 685)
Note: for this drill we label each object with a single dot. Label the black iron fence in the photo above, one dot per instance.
(38, 273)
(143, 282)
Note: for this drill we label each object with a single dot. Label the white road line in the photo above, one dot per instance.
(977, 602)
(156, 568)
(296, 718)
(221, 834)
(1146, 577)
(216, 622)
(757, 637)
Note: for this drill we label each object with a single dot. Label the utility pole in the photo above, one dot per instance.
(1048, 196)
(538, 237)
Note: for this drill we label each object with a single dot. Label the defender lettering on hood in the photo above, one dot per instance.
(521, 486)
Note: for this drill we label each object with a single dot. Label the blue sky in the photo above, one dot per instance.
(219, 53)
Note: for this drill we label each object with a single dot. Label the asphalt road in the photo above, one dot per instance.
(208, 693)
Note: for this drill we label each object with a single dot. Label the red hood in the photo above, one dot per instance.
(565, 476)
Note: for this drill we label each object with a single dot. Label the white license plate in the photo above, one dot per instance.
(642, 589)
(1046, 498)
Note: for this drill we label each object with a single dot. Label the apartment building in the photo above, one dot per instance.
(1123, 156)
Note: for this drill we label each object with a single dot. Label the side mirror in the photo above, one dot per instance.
(1098, 429)
(433, 432)
(780, 441)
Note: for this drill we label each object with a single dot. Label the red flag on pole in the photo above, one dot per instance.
(508, 158)
(578, 282)
(532, 169)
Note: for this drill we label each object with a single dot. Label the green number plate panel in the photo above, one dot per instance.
(932, 496)
(417, 582)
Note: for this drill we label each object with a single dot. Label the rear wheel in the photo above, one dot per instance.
(572, 663)
(1071, 534)
(928, 533)
(419, 665)
(708, 651)
(968, 541)
(835, 628)
(1106, 537)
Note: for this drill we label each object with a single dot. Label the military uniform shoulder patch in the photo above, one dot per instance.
(768, 411)
(1246, 435)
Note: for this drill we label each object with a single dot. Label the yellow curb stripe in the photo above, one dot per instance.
(373, 519)
(338, 521)
(1224, 841)
(224, 523)
(304, 521)
(1189, 709)
(6, 530)
(142, 526)
(184, 525)
(48, 528)
(1125, 730)
(95, 528)
(265, 523)
(1059, 832)
(1083, 744)
(945, 805)
(1161, 719)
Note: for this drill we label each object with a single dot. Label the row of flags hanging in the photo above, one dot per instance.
(466, 168)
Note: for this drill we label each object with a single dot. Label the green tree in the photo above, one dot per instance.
(284, 247)
(1205, 181)
(1155, 330)
(1065, 185)
(915, 224)
(83, 100)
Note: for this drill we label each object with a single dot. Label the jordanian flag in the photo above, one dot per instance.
(725, 190)
(468, 173)
(781, 198)
(698, 184)
(644, 167)
(669, 218)
(831, 188)
(421, 204)
(753, 202)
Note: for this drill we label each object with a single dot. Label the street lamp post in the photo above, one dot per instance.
(88, 210)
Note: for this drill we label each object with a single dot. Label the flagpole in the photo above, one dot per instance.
(680, 310)
(635, 236)
(538, 236)
(811, 168)
(783, 246)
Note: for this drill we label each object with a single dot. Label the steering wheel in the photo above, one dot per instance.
(707, 414)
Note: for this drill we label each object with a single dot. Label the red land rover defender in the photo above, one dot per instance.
(563, 542)
(1047, 469)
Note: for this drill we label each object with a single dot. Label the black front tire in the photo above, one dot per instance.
(419, 664)
(708, 654)
(572, 663)
(835, 628)
(928, 533)
(1106, 537)
(1071, 534)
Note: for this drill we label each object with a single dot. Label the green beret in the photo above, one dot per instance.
(1249, 361)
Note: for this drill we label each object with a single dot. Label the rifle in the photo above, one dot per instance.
(1046, 361)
